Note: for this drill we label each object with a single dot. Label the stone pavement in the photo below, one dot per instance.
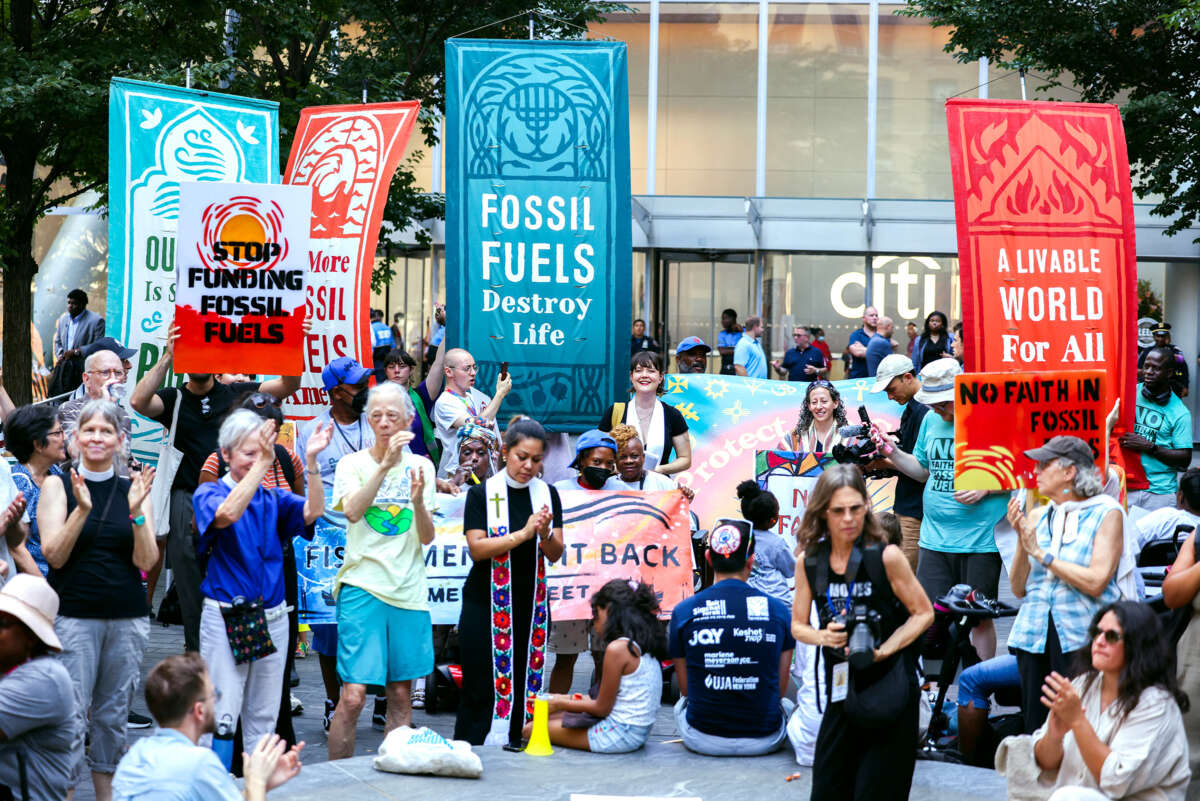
(664, 768)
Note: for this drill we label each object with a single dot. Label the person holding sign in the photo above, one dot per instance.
(1162, 432)
(867, 744)
(240, 526)
(661, 428)
(461, 403)
(1065, 566)
(513, 525)
(957, 544)
(385, 633)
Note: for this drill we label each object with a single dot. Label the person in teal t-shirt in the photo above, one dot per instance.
(1162, 433)
(958, 544)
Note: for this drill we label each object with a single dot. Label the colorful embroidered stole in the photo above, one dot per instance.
(496, 498)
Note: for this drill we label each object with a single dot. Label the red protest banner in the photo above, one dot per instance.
(1046, 245)
(999, 416)
(347, 154)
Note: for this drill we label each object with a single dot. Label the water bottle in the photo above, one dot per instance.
(222, 743)
(116, 392)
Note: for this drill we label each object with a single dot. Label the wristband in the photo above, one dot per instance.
(140, 520)
(316, 472)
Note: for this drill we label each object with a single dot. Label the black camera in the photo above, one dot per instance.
(862, 635)
(858, 452)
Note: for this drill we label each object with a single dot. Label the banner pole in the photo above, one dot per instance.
(364, 91)
(187, 76)
(531, 24)
(1021, 72)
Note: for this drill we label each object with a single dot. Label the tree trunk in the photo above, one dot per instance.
(18, 313)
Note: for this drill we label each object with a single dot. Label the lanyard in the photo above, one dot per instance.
(338, 427)
(465, 402)
(849, 597)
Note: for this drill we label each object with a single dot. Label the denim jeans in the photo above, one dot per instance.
(978, 682)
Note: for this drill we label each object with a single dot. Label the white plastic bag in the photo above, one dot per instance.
(407, 750)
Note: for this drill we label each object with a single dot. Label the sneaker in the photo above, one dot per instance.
(293, 678)
(379, 714)
(302, 649)
(418, 694)
(297, 707)
(329, 707)
(137, 721)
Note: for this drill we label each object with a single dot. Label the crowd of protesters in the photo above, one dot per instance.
(1102, 685)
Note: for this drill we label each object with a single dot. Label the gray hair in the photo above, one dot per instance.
(105, 409)
(391, 392)
(240, 424)
(1087, 483)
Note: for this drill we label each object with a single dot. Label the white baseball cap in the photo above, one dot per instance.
(31, 600)
(893, 365)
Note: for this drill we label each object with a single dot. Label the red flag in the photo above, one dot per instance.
(347, 154)
(1046, 243)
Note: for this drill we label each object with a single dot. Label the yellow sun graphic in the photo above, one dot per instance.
(984, 469)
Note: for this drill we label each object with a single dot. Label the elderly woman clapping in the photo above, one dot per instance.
(239, 525)
(1065, 566)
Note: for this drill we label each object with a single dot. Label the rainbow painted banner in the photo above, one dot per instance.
(731, 418)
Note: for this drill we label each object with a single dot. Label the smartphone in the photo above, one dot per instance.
(503, 370)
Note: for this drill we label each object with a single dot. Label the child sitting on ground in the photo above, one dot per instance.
(774, 561)
(625, 616)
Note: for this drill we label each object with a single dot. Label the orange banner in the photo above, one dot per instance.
(1046, 244)
(347, 154)
(999, 416)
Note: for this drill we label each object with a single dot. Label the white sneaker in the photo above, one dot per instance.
(297, 707)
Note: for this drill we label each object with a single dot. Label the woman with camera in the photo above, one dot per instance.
(871, 610)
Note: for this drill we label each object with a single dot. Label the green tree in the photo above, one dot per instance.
(1145, 53)
(327, 52)
(56, 58)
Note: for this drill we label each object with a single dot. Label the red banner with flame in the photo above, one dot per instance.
(1046, 245)
(347, 154)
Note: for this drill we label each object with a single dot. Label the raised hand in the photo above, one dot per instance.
(395, 449)
(287, 768)
(259, 765)
(504, 385)
(12, 513)
(417, 488)
(266, 442)
(172, 335)
(83, 496)
(318, 441)
(140, 483)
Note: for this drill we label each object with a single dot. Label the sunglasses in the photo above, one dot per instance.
(260, 400)
(1111, 636)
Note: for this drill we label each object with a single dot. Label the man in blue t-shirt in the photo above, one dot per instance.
(880, 345)
(803, 362)
(1162, 432)
(732, 647)
(856, 348)
(958, 543)
(382, 341)
(748, 357)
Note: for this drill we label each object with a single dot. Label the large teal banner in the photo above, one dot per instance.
(538, 240)
(159, 136)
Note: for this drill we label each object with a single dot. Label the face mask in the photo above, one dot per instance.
(359, 401)
(595, 476)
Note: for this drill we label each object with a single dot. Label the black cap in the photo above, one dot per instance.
(108, 343)
(1072, 448)
(1161, 328)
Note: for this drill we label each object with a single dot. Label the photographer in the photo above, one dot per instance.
(898, 378)
(871, 611)
(958, 544)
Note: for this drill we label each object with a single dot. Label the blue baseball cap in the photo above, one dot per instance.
(691, 343)
(595, 438)
(343, 370)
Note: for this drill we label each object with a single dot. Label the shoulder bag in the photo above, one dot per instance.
(164, 475)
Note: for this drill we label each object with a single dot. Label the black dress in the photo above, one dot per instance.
(475, 622)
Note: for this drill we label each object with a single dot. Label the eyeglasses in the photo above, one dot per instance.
(57, 433)
(470, 368)
(116, 372)
(1111, 636)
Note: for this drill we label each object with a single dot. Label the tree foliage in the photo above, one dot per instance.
(57, 56)
(1144, 54)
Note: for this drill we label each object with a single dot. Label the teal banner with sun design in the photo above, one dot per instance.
(538, 239)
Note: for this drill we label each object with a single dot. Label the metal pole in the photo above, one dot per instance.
(187, 78)
(983, 78)
(872, 94)
(652, 104)
(760, 140)
(530, 24)
(364, 92)
(1022, 74)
